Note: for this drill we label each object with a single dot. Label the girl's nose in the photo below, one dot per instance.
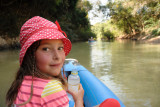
(55, 55)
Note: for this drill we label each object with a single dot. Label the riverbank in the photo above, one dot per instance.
(13, 43)
(143, 38)
(153, 40)
(9, 43)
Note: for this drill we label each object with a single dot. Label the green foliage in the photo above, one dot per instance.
(109, 35)
(84, 5)
(122, 17)
(79, 19)
(8, 26)
(156, 32)
(154, 9)
(85, 34)
(71, 18)
(151, 22)
(133, 16)
(130, 18)
(68, 28)
(106, 30)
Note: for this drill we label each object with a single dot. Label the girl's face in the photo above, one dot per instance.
(50, 56)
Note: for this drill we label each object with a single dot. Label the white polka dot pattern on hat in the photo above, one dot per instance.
(38, 28)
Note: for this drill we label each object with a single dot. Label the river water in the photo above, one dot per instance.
(131, 70)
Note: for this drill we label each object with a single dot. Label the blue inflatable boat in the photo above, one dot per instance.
(95, 92)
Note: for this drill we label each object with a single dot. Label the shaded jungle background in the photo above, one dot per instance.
(125, 19)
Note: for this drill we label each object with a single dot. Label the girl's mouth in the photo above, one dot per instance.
(55, 65)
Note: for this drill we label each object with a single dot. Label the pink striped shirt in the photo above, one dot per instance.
(46, 93)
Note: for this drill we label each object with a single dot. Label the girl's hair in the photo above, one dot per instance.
(28, 67)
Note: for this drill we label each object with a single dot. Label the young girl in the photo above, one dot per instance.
(39, 82)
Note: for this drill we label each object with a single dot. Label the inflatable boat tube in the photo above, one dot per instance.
(95, 92)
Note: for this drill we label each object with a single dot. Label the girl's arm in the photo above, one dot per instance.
(78, 96)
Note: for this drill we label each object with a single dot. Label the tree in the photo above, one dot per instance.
(133, 16)
(122, 17)
(15, 12)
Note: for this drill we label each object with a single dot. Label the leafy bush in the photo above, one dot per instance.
(15, 13)
(8, 26)
(150, 22)
(109, 34)
(156, 32)
(85, 34)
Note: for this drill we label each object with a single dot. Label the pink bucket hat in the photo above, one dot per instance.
(38, 28)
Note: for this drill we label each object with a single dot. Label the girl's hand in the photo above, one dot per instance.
(78, 96)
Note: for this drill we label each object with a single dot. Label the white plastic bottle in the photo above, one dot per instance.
(73, 81)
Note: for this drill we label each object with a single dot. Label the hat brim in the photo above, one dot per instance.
(45, 34)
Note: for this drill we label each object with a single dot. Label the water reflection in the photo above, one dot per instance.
(130, 69)
(8, 66)
(136, 66)
(100, 55)
(101, 63)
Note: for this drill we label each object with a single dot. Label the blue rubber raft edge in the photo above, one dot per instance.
(95, 91)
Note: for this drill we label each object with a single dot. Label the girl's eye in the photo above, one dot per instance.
(61, 48)
(45, 49)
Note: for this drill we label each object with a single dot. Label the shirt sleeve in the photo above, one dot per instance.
(54, 94)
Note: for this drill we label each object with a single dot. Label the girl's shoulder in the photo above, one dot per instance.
(44, 91)
(41, 81)
(52, 87)
(43, 86)
(36, 81)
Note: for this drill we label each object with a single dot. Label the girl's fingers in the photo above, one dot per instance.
(80, 86)
(71, 92)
